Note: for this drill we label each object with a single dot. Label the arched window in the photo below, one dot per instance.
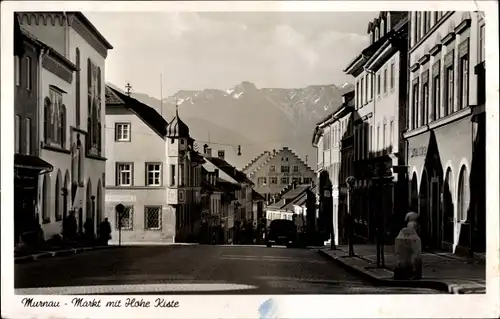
(89, 200)
(80, 162)
(382, 28)
(98, 203)
(377, 34)
(463, 195)
(77, 93)
(62, 125)
(57, 197)
(46, 120)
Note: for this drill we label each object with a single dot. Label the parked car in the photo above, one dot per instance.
(281, 232)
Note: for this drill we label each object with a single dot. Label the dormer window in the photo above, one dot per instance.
(377, 35)
(382, 28)
(388, 21)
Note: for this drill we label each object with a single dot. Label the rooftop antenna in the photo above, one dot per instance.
(306, 159)
(128, 87)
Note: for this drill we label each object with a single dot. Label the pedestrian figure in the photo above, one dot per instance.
(89, 229)
(104, 232)
(69, 226)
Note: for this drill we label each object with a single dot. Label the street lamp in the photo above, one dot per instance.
(350, 185)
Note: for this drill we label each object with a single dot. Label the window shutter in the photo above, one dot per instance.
(146, 174)
(63, 126)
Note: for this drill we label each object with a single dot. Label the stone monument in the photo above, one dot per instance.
(408, 250)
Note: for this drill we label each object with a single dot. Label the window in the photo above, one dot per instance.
(449, 91)
(392, 75)
(55, 119)
(28, 136)
(273, 180)
(261, 181)
(391, 134)
(285, 169)
(127, 218)
(181, 174)
(436, 97)
(418, 26)
(285, 180)
(378, 84)
(357, 94)
(361, 87)
(464, 82)
(122, 131)
(172, 175)
(152, 215)
(17, 71)
(425, 103)
(17, 135)
(463, 195)
(378, 138)
(414, 113)
(426, 22)
(436, 16)
(295, 169)
(153, 177)
(367, 97)
(29, 75)
(78, 88)
(482, 47)
(123, 174)
(377, 34)
(307, 180)
(220, 154)
(385, 80)
(384, 145)
(94, 126)
(272, 168)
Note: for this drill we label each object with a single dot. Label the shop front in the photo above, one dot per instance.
(27, 169)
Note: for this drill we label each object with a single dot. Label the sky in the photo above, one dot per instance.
(218, 50)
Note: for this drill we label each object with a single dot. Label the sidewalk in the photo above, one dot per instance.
(48, 252)
(445, 272)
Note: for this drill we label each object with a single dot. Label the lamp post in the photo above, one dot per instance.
(120, 209)
(350, 185)
(382, 178)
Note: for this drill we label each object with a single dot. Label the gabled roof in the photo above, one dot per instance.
(272, 155)
(299, 200)
(257, 196)
(148, 114)
(294, 192)
(297, 195)
(229, 169)
(256, 161)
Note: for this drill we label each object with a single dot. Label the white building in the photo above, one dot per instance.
(73, 135)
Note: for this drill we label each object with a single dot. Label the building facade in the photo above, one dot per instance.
(446, 128)
(333, 140)
(71, 114)
(272, 171)
(380, 102)
(28, 166)
(135, 170)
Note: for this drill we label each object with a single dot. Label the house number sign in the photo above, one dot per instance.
(418, 151)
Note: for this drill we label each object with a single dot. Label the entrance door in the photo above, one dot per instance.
(436, 222)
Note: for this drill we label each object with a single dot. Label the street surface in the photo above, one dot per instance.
(193, 269)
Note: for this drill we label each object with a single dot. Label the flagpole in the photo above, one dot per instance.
(161, 95)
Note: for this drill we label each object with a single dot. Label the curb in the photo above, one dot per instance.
(59, 253)
(429, 284)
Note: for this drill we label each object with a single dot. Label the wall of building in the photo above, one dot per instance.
(50, 28)
(26, 101)
(59, 157)
(284, 157)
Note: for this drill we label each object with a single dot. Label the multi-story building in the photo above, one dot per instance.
(136, 175)
(73, 64)
(379, 73)
(28, 166)
(446, 128)
(272, 171)
(152, 170)
(243, 205)
(333, 137)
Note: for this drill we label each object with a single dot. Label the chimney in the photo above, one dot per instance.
(208, 151)
(220, 154)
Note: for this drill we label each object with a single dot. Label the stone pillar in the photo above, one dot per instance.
(408, 251)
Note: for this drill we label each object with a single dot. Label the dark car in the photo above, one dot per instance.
(281, 232)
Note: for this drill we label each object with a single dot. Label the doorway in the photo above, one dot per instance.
(435, 225)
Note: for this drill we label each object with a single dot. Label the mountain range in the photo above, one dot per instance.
(256, 119)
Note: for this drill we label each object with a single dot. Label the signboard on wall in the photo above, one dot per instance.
(418, 151)
(182, 196)
(172, 196)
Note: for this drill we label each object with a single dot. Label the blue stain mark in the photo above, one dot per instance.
(268, 309)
